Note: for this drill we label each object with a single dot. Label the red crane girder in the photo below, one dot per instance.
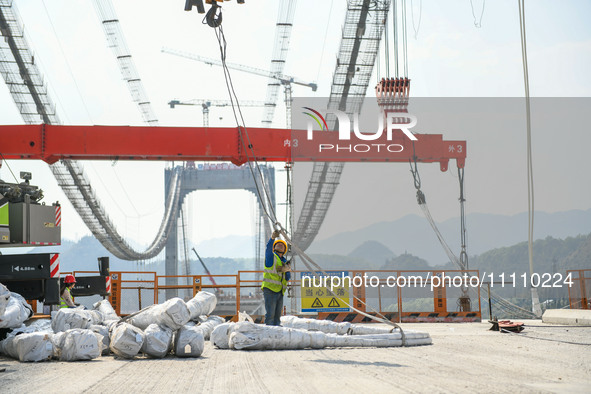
(51, 143)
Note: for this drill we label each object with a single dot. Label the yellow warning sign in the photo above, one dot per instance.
(316, 295)
(317, 304)
(334, 303)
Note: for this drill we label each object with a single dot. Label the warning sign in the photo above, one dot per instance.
(334, 303)
(317, 304)
(316, 295)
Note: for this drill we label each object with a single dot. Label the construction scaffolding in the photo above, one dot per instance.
(280, 49)
(360, 40)
(20, 72)
(117, 43)
(29, 92)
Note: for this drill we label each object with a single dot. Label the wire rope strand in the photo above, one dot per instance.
(530, 176)
(479, 23)
(412, 15)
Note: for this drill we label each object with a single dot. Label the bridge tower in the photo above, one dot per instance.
(218, 176)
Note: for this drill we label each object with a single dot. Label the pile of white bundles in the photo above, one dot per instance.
(174, 325)
(38, 342)
(79, 334)
(249, 336)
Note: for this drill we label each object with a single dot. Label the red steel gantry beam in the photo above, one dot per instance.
(51, 143)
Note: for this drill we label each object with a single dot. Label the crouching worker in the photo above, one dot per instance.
(66, 299)
(275, 279)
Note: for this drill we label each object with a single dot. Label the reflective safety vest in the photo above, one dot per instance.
(273, 279)
(63, 302)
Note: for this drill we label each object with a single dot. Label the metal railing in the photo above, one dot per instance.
(579, 293)
(400, 295)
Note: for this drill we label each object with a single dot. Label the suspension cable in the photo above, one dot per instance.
(412, 15)
(219, 32)
(501, 302)
(477, 24)
(308, 262)
(530, 177)
(404, 35)
(387, 49)
(395, 25)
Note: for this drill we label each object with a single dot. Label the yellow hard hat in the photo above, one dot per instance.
(280, 241)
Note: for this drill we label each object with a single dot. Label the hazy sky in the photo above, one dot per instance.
(448, 57)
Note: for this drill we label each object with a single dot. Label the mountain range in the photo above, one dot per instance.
(409, 241)
(413, 234)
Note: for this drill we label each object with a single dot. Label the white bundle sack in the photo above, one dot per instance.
(324, 326)
(173, 314)
(188, 342)
(220, 335)
(77, 344)
(364, 329)
(7, 347)
(4, 297)
(41, 325)
(69, 318)
(35, 346)
(105, 308)
(378, 340)
(333, 340)
(110, 324)
(248, 336)
(157, 341)
(16, 311)
(330, 327)
(126, 340)
(207, 325)
(103, 331)
(202, 304)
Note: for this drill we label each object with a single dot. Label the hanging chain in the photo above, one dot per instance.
(289, 199)
(417, 178)
(289, 219)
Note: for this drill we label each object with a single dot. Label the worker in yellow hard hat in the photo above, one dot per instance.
(277, 274)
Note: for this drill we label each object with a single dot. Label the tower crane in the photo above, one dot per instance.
(205, 104)
(286, 80)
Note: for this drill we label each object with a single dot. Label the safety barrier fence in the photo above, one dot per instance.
(579, 293)
(398, 295)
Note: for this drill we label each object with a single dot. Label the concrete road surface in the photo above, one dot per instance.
(464, 357)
